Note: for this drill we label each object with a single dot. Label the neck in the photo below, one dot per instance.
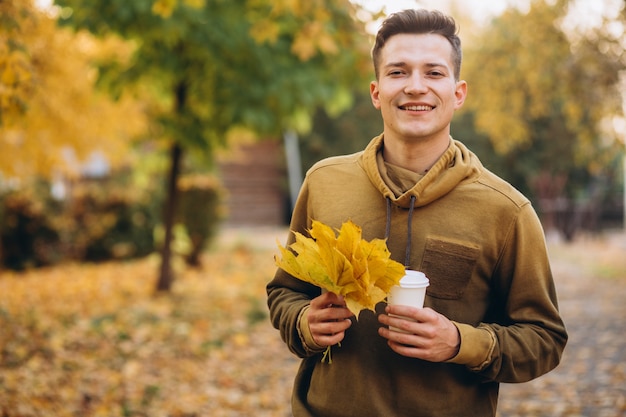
(418, 157)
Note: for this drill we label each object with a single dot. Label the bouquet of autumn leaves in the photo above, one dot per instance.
(361, 271)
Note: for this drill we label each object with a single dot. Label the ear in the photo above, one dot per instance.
(460, 93)
(374, 94)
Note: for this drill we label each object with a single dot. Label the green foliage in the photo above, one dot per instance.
(214, 66)
(341, 134)
(464, 129)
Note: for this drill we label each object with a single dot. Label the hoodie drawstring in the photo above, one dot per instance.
(407, 255)
(388, 226)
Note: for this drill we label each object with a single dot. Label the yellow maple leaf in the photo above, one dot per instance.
(361, 271)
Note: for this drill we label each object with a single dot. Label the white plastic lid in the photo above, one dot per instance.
(414, 279)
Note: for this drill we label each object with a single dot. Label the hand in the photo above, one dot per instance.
(430, 336)
(328, 319)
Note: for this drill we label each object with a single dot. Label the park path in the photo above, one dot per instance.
(591, 379)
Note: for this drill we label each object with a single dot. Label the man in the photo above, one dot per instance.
(491, 311)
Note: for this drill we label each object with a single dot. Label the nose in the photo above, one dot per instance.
(415, 84)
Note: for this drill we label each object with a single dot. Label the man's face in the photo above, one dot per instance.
(416, 91)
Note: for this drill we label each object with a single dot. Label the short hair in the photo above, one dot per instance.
(419, 21)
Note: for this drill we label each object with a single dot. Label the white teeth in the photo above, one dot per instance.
(417, 108)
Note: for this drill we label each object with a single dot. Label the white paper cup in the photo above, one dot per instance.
(411, 291)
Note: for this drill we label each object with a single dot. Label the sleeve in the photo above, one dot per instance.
(305, 334)
(287, 297)
(524, 335)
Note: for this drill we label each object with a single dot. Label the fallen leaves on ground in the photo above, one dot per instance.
(93, 340)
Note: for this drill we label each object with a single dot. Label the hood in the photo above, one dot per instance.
(457, 164)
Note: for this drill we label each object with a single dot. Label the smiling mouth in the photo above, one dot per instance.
(417, 108)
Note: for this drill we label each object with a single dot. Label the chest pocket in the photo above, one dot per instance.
(448, 265)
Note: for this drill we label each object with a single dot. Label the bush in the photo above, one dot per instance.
(200, 211)
(97, 220)
(105, 220)
(27, 236)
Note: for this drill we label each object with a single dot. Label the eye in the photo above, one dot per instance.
(437, 73)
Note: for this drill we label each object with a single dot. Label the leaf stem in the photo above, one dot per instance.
(327, 357)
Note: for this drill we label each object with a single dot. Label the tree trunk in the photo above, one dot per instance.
(166, 275)
(624, 173)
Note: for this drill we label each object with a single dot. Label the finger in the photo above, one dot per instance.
(328, 299)
(406, 350)
(329, 315)
(336, 299)
(425, 314)
(328, 340)
(416, 352)
(403, 343)
(329, 327)
(326, 333)
(405, 324)
(405, 311)
(403, 338)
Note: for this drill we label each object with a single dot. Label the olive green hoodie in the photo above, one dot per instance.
(481, 245)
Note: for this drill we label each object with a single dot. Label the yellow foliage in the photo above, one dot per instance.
(15, 67)
(361, 271)
(196, 4)
(164, 8)
(512, 77)
(265, 31)
(314, 36)
(48, 101)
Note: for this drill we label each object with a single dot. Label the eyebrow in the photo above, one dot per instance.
(428, 64)
(395, 64)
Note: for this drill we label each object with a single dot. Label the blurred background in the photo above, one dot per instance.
(151, 152)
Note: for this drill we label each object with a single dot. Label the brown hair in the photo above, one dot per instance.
(419, 22)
